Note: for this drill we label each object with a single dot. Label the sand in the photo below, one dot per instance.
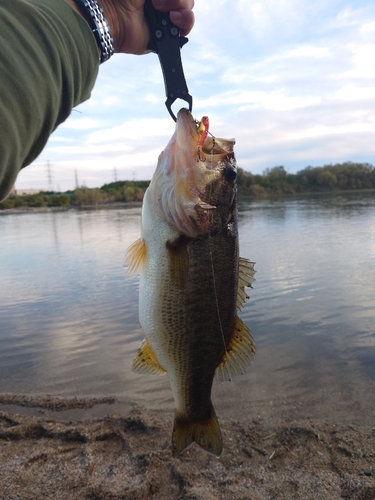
(127, 455)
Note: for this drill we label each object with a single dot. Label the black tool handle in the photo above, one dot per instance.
(165, 41)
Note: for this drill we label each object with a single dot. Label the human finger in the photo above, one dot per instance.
(181, 13)
(171, 5)
(183, 19)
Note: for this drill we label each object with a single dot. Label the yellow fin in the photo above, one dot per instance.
(178, 260)
(206, 433)
(246, 273)
(239, 353)
(135, 257)
(146, 362)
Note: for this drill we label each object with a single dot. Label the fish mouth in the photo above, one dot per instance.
(187, 133)
(180, 188)
(201, 160)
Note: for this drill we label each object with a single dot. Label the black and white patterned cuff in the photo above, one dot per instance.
(100, 27)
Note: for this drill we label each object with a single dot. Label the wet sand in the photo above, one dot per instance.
(110, 450)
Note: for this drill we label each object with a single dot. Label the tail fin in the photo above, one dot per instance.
(206, 433)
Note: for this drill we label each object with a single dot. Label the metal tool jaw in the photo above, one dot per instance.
(166, 42)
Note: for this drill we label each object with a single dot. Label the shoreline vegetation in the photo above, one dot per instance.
(275, 181)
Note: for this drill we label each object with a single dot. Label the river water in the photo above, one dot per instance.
(69, 322)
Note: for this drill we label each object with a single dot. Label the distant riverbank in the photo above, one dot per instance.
(33, 210)
(342, 177)
(118, 204)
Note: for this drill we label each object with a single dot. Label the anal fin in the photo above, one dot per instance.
(238, 355)
(205, 432)
(135, 257)
(146, 362)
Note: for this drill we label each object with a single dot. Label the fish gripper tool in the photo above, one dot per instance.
(166, 42)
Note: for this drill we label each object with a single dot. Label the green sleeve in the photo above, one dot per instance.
(48, 64)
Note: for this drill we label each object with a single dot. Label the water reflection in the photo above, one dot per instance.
(69, 321)
(315, 275)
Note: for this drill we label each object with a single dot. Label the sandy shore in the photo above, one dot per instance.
(127, 456)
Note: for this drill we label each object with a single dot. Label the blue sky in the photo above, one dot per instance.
(292, 80)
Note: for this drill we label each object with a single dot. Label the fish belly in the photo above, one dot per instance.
(188, 322)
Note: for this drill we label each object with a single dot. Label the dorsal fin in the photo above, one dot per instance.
(135, 257)
(146, 362)
(240, 351)
(246, 273)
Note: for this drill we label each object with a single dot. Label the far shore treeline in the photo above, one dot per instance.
(273, 181)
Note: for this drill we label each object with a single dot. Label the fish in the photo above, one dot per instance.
(192, 280)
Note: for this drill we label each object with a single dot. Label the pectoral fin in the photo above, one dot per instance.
(246, 273)
(146, 362)
(135, 257)
(238, 355)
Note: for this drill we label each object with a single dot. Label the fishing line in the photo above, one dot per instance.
(215, 291)
(212, 260)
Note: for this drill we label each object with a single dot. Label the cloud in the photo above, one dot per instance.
(368, 27)
(111, 101)
(83, 150)
(56, 138)
(351, 92)
(152, 98)
(276, 100)
(80, 123)
(133, 130)
(362, 67)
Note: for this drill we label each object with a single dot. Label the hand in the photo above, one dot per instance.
(129, 27)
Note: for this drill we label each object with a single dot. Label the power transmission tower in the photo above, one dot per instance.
(115, 174)
(49, 176)
(76, 177)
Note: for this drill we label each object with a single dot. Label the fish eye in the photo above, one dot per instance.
(230, 174)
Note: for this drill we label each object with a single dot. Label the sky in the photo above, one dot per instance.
(293, 81)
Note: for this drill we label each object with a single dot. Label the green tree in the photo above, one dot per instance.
(326, 179)
(58, 200)
(7, 203)
(85, 196)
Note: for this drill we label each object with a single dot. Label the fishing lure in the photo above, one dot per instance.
(202, 134)
(203, 130)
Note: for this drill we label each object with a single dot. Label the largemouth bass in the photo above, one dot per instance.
(192, 281)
